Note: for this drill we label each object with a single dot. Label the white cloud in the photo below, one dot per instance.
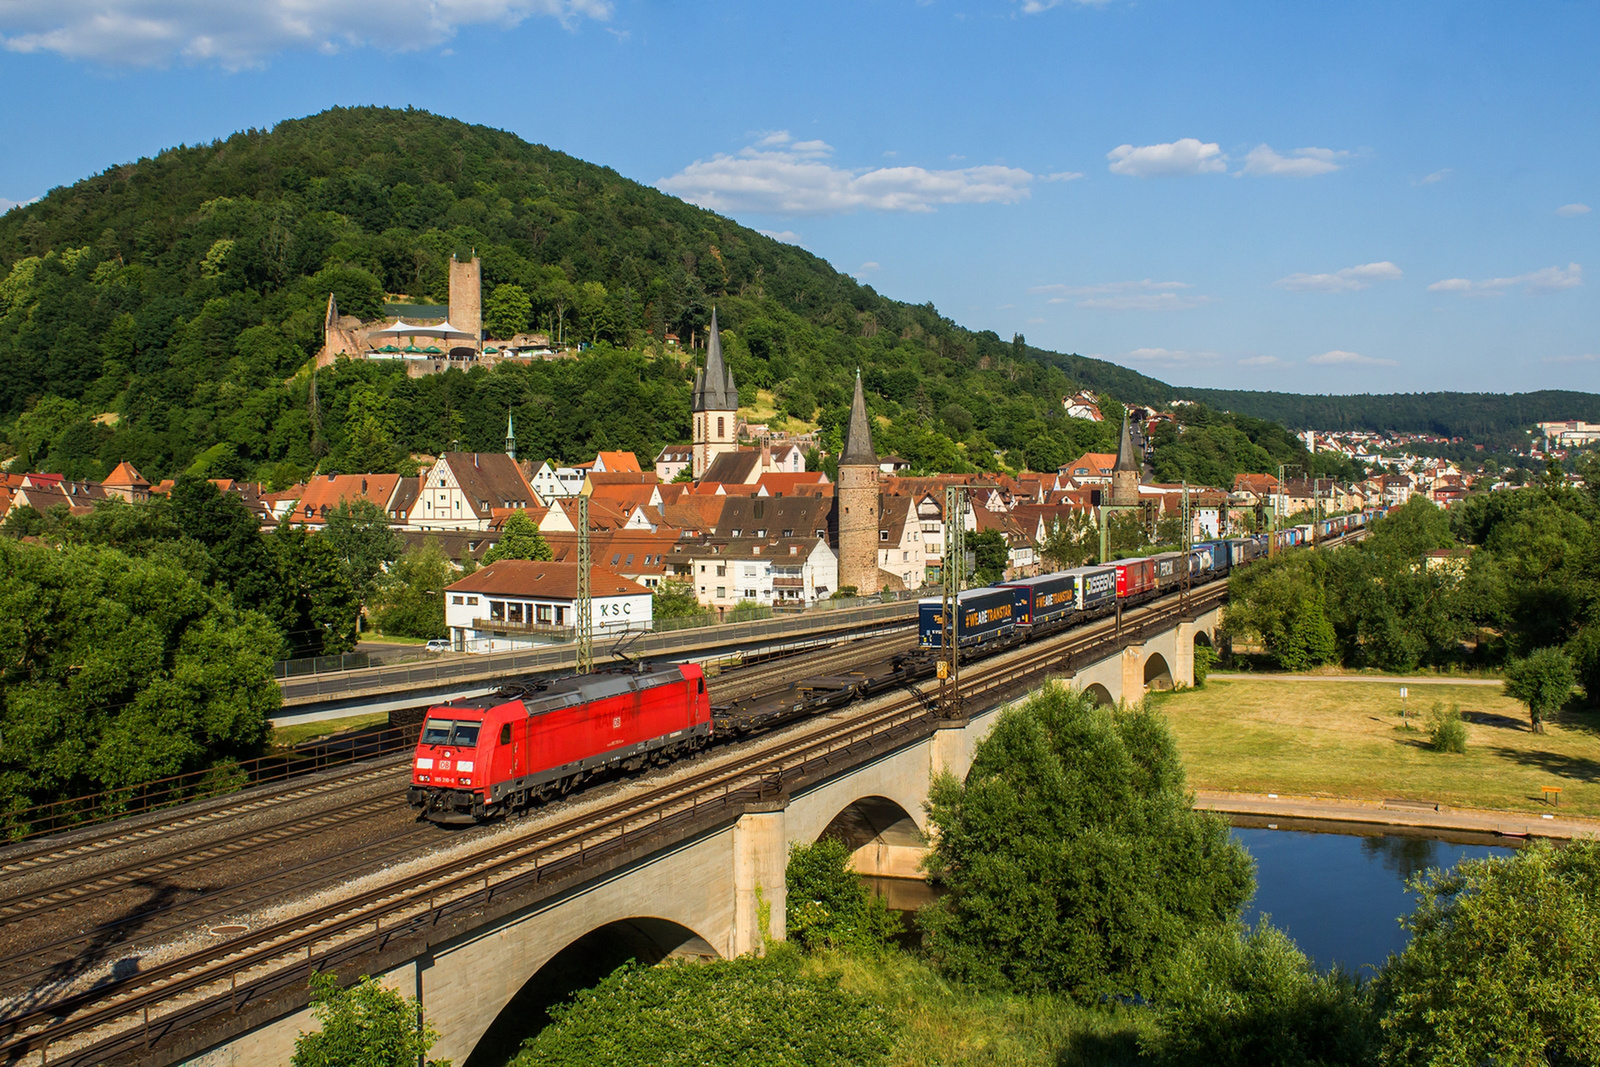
(788, 237)
(1338, 357)
(1063, 176)
(1572, 211)
(1033, 7)
(1260, 361)
(1143, 295)
(242, 33)
(870, 264)
(1587, 357)
(1262, 161)
(779, 176)
(1184, 156)
(1342, 281)
(1548, 280)
(7, 205)
(1436, 176)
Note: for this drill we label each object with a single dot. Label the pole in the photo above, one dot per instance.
(585, 627)
(955, 558)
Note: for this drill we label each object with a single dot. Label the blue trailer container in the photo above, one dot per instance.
(1049, 597)
(982, 615)
(1097, 587)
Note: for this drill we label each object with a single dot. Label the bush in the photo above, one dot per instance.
(1256, 1001)
(1205, 658)
(1446, 731)
(750, 1011)
(363, 1026)
(1074, 860)
(1503, 965)
(828, 907)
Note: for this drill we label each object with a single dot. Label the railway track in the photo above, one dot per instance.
(92, 1025)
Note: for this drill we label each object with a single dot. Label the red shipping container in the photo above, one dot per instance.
(1135, 577)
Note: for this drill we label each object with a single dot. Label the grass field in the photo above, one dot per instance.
(1346, 739)
(297, 733)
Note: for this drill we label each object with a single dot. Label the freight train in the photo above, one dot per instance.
(528, 742)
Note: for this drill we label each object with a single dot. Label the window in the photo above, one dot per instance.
(497, 609)
(505, 734)
(561, 615)
(722, 592)
(722, 570)
(472, 600)
(749, 594)
(630, 560)
(883, 535)
(719, 426)
(458, 599)
(514, 613)
(616, 558)
(546, 613)
(905, 557)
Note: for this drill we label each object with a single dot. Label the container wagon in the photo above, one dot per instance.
(1169, 570)
(982, 617)
(1097, 589)
(1050, 598)
(1136, 578)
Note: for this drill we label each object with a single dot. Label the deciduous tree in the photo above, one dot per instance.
(1543, 681)
(519, 539)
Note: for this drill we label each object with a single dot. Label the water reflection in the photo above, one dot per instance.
(1341, 895)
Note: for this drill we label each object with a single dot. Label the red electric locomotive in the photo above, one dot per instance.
(484, 757)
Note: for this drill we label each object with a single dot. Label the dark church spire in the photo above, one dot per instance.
(1127, 460)
(858, 433)
(713, 385)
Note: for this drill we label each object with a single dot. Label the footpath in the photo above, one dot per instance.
(1387, 679)
(1408, 813)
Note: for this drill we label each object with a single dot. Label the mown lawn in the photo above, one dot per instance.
(301, 732)
(1346, 739)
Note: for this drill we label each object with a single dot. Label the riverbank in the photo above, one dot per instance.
(1397, 813)
(1345, 740)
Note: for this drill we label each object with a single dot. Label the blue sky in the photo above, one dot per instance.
(1307, 197)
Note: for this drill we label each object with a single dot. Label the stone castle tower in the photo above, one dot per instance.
(466, 298)
(1125, 475)
(716, 406)
(857, 501)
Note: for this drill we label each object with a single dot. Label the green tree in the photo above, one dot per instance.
(1073, 859)
(116, 670)
(1543, 681)
(1071, 542)
(365, 543)
(827, 906)
(752, 1010)
(990, 554)
(366, 1025)
(674, 600)
(317, 606)
(1281, 604)
(1503, 965)
(1254, 1000)
(519, 539)
(411, 595)
(506, 312)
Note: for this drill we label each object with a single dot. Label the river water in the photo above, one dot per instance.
(1340, 895)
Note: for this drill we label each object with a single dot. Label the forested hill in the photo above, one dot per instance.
(166, 311)
(155, 312)
(1476, 416)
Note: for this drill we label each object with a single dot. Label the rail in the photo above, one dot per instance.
(224, 779)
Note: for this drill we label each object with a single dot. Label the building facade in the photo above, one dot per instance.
(716, 406)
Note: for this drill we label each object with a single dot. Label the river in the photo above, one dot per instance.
(1339, 890)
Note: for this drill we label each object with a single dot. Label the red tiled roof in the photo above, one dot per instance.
(555, 581)
(327, 491)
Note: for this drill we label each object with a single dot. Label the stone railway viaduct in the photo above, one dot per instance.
(715, 892)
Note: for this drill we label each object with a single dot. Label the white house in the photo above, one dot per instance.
(463, 490)
(796, 571)
(517, 603)
(673, 461)
(554, 483)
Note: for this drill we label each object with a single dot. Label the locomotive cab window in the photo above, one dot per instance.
(436, 732)
(505, 734)
(699, 685)
(465, 734)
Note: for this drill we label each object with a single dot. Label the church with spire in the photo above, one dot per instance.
(1125, 476)
(715, 406)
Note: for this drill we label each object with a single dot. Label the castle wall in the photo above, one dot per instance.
(466, 297)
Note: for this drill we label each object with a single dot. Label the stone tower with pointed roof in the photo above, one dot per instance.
(716, 406)
(1125, 475)
(857, 500)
